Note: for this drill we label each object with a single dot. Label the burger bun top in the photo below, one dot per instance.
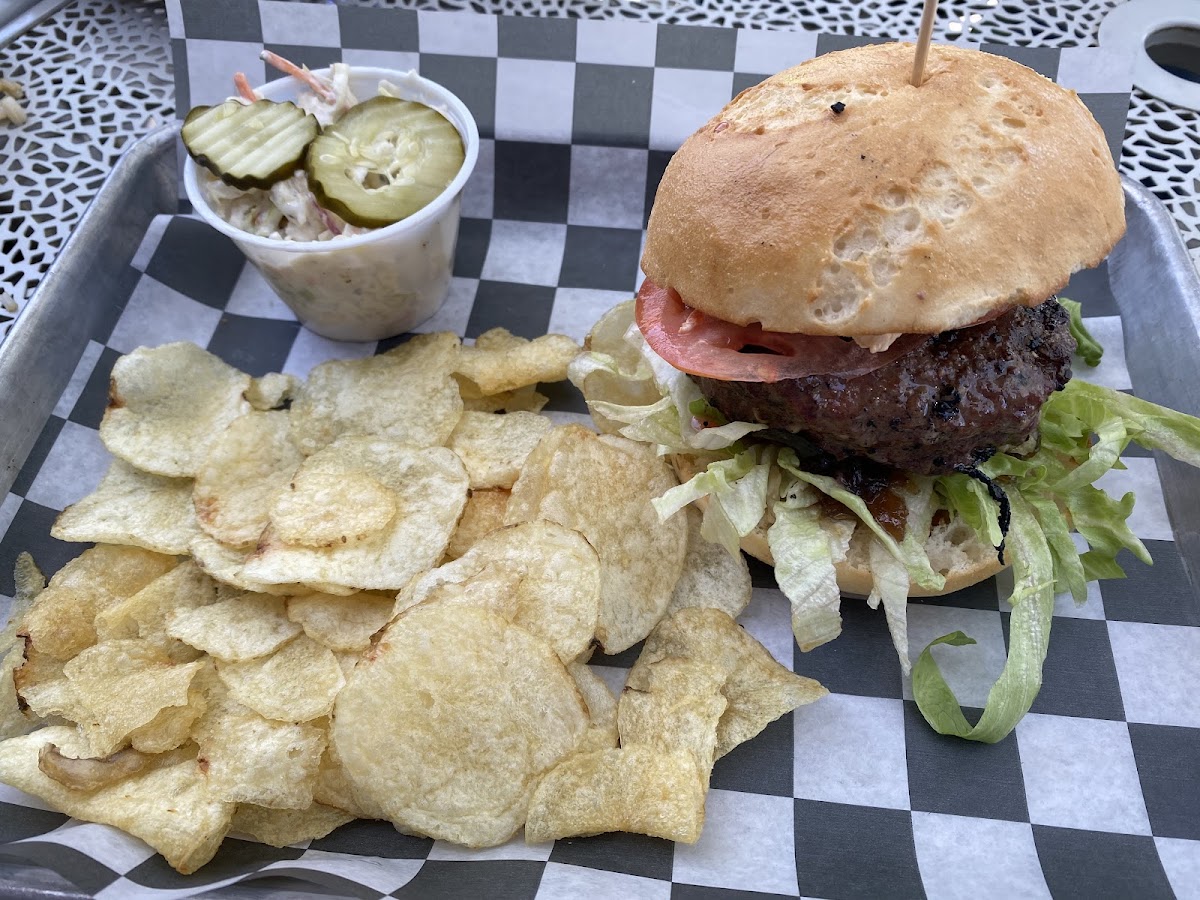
(909, 210)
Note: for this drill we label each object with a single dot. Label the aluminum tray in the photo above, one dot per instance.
(1155, 287)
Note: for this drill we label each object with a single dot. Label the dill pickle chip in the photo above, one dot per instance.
(383, 160)
(249, 145)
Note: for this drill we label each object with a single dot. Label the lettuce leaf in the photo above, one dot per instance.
(804, 555)
(1087, 347)
(1029, 632)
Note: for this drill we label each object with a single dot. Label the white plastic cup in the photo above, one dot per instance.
(369, 286)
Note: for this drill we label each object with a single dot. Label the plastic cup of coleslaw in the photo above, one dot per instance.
(373, 285)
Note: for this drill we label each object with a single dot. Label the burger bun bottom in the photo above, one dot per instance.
(954, 551)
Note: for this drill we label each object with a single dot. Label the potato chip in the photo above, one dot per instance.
(167, 805)
(297, 683)
(62, 621)
(493, 447)
(145, 614)
(526, 399)
(87, 774)
(249, 759)
(284, 827)
(430, 488)
(324, 508)
(603, 490)
(53, 695)
(711, 576)
(484, 512)
(29, 582)
(167, 404)
(449, 721)
(124, 684)
(601, 706)
(14, 718)
(674, 704)
(333, 788)
(249, 464)
(404, 395)
(634, 789)
(135, 508)
(272, 391)
(246, 627)
(172, 727)
(757, 689)
(227, 566)
(343, 624)
(540, 576)
(503, 362)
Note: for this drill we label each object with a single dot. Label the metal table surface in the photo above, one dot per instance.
(98, 75)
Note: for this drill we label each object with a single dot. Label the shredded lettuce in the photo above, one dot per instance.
(1029, 632)
(1049, 483)
(805, 554)
(1087, 347)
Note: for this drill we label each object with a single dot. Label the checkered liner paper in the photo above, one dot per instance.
(1096, 794)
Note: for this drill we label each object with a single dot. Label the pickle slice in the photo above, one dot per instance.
(252, 145)
(383, 160)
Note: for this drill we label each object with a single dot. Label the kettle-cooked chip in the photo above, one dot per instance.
(449, 721)
(601, 705)
(284, 827)
(712, 576)
(484, 512)
(172, 727)
(167, 805)
(62, 620)
(724, 659)
(250, 462)
(226, 565)
(602, 488)
(343, 624)
(167, 405)
(501, 362)
(430, 488)
(250, 759)
(244, 627)
(125, 684)
(526, 399)
(296, 683)
(323, 508)
(146, 613)
(272, 391)
(135, 508)
(493, 447)
(540, 576)
(404, 395)
(635, 789)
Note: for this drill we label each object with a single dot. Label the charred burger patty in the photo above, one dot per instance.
(952, 402)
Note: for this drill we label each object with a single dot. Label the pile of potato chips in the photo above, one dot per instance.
(374, 594)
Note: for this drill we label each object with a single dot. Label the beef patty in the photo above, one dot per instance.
(953, 401)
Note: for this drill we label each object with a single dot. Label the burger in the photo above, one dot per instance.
(848, 340)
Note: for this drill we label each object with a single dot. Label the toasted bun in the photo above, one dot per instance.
(913, 210)
(954, 550)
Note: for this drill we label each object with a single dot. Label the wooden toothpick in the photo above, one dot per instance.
(923, 38)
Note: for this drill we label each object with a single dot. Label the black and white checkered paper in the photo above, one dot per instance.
(1097, 794)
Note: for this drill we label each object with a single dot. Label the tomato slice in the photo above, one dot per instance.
(703, 345)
